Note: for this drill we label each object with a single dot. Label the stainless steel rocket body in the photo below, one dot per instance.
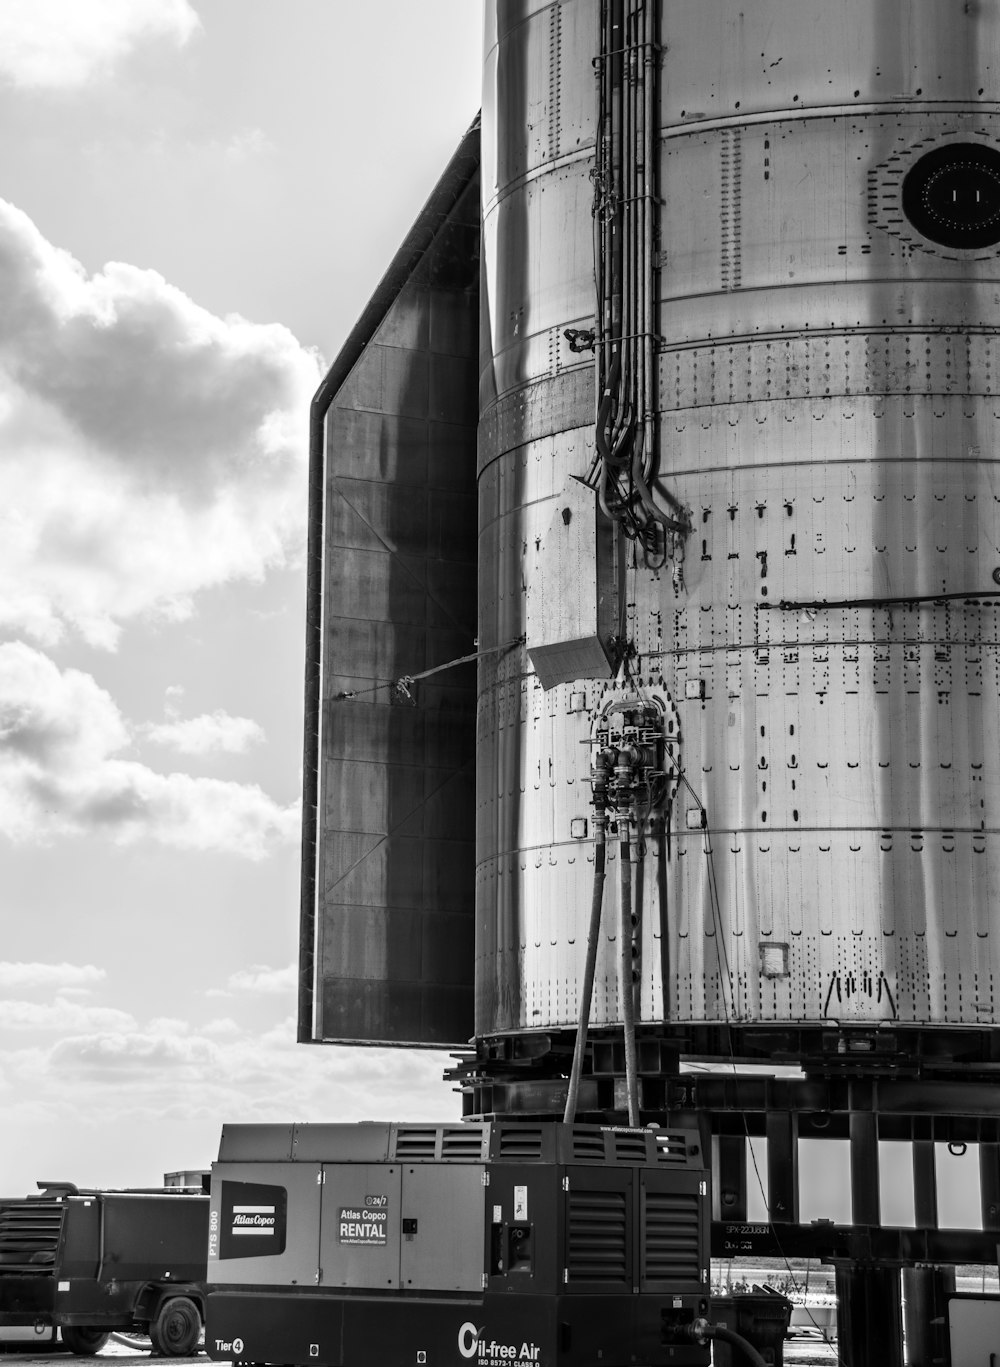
(818, 298)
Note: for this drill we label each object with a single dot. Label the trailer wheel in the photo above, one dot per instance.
(82, 1340)
(176, 1328)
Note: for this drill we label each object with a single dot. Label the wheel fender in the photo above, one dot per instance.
(155, 1295)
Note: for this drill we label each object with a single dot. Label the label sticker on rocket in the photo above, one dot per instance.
(520, 1203)
(364, 1224)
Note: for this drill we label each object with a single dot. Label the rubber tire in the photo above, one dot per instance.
(176, 1329)
(82, 1341)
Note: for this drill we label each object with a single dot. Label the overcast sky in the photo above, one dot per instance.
(197, 198)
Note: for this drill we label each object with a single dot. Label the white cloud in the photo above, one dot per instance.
(60, 734)
(243, 1076)
(246, 146)
(62, 1016)
(205, 734)
(151, 449)
(27, 977)
(169, 1025)
(65, 43)
(261, 981)
(136, 1054)
(164, 1095)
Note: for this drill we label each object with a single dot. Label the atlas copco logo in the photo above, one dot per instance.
(254, 1219)
(252, 1223)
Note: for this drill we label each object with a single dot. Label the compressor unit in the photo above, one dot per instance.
(495, 1244)
(92, 1263)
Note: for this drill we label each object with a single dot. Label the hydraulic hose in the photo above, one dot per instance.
(590, 967)
(701, 1330)
(625, 987)
(722, 1331)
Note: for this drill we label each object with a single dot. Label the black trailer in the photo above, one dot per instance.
(91, 1263)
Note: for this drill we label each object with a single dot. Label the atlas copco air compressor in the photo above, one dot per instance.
(498, 1244)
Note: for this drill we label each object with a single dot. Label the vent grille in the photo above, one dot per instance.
(466, 1142)
(630, 1148)
(671, 1148)
(671, 1237)
(588, 1144)
(439, 1141)
(521, 1141)
(29, 1237)
(416, 1142)
(597, 1237)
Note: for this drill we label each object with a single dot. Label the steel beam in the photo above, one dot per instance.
(891, 1244)
(730, 1187)
(865, 1209)
(782, 1167)
(925, 1204)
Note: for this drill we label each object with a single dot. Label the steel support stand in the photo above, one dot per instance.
(925, 1202)
(730, 1190)
(925, 1314)
(989, 1184)
(782, 1128)
(865, 1205)
(869, 1316)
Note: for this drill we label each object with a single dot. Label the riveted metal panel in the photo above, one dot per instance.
(827, 643)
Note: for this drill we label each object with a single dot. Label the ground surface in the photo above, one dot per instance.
(798, 1353)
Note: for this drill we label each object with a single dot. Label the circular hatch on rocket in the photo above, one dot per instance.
(952, 195)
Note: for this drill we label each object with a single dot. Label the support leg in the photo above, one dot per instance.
(989, 1184)
(925, 1202)
(730, 1191)
(925, 1314)
(869, 1316)
(783, 1167)
(864, 1169)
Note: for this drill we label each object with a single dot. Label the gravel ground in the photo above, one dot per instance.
(121, 1355)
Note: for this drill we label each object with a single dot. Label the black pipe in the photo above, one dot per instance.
(590, 967)
(727, 1335)
(700, 1330)
(626, 987)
